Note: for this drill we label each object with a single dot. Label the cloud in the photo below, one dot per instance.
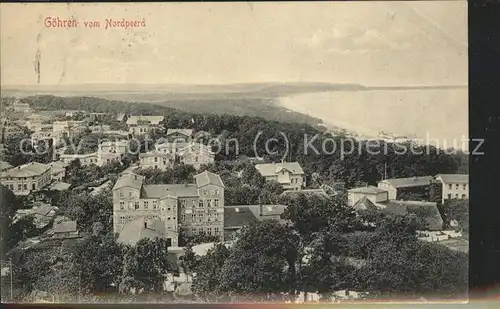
(347, 38)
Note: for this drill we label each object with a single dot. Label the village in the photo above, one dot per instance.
(199, 208)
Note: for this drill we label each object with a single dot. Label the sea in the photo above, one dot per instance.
(436, 117)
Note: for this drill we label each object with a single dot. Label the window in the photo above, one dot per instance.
(200, 203)
(449, 186)
(194, 231)
(122, 220)
(156, 166)
(183, 217)
(156, 159)
(216, 229)
(449, 196)
(122, 205)
(130, 194)
(465, 186)
(216, 191)
(194, 203)
(457, 186)
(209, 231)
(463, 197)
(205, 192)
(168, 218)
(200, 216)
(155, 204)
(33, 186)
(19, 187)
(25, 186)
(216, 202)
(209, 203)
(456, 195)
(146, 204)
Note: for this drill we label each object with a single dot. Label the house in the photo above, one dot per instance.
(99, 128)
(44, 134)
(24, 179)
(59, 186)
(236, 217)
(198, 207)
(65, 229)
(196, 155)
(110, 151)
(141, 125)
(43, 215)
(179, 135)
(143, 228)
(58, 170)
(413, 184)
(4, 166)
(289, 174)
(156, 159)
(454, 186)
(426, 211)
(372, 193)
(85, 159)
(121, 117)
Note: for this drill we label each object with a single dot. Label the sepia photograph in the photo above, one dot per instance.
(245, 152)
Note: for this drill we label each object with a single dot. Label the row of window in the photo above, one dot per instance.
(201, 203)
(215, 231)
(457, 186)
(136, 205)
(456, 196)
(125, 219)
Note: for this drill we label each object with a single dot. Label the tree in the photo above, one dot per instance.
(206, 283)
(9, 204)
(457, 210)
(189, 260)
(261, 262)
(145, 266)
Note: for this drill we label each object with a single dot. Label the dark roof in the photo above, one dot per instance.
(238, 217)
(427, 209)
(177, 190)
(208, 178)
(409, 182)
(268, 211)
(134, 231)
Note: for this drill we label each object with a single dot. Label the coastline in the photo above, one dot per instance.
(365, 116)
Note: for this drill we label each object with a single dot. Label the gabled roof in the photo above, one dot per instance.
(42, 210)
(65, 227)
(208, 178)
(453, 178)
(367, 190)
(185, 132)
(135, 230)
(364, 204)
(409, 182)
(152, 119)
(196, 147)
(238, 216)
(270, 169)
(129, 180)
(27, 170)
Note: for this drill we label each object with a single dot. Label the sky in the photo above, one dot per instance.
(368, 42)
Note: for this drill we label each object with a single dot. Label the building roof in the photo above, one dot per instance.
(198, 148)
(186, 132)
(453, 178)
(409, 182)
(364, 204)
(65, 227)
(155, 153)
(27, 170)
(43, 210)
(238, 217)
(4, 165)
(271, 169)
(129, 180)
(430, 211)
(208, 178)
(60, 186)
(367, 190)
(152, 119)
(58, 166)
(165, 190)
(136, 230)
(268, 211)
(121, 116)
(307, 191)
(78, 156)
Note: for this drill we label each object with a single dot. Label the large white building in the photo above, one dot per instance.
(197, 207)
(26, 178)
(289, 174)
(142, 125)
(454, 186)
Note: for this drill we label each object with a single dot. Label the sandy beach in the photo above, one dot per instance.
(434, 116)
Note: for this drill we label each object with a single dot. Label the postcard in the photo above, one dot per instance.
(245, 152)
